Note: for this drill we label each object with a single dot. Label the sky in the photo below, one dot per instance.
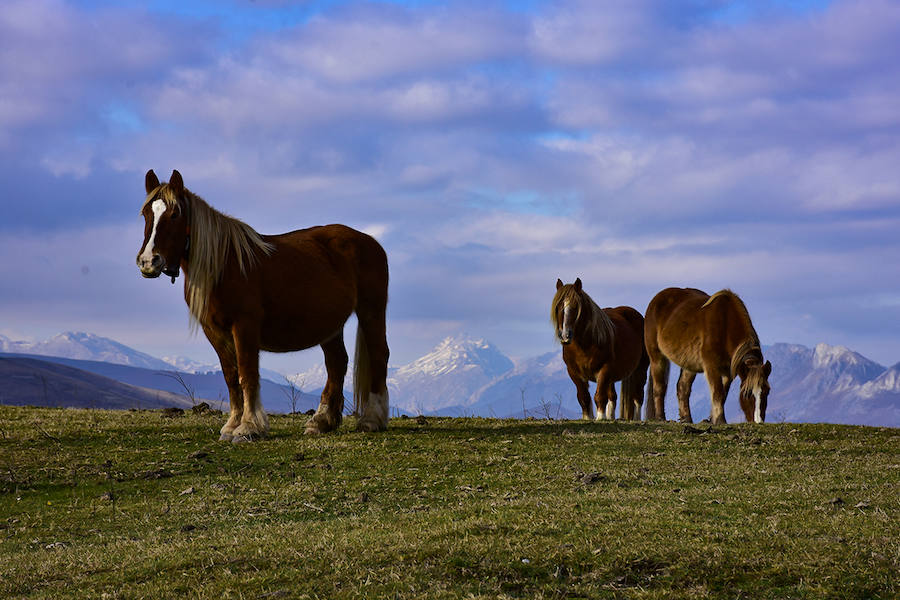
(491, 147)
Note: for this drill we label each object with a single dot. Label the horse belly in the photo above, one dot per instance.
(685, 354)
(311, 304)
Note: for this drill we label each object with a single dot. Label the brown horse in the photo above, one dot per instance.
(704, 334)
(280, 293)
(603, 345)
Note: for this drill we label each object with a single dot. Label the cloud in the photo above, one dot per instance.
(368, 43)
(490, 151)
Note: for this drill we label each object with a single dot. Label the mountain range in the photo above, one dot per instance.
(105, 364)
(471, 377)
(463, 376)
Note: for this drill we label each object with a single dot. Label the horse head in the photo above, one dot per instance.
(754, 387)
(566, 309)
(166, 227)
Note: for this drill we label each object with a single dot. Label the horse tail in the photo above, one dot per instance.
(370, 393)
(362, 374)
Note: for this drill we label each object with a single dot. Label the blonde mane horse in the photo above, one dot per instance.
(603, 345)
(704, 334)
(250, 292)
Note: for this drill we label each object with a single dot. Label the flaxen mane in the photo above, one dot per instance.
(750, 346)
(600, 326)
(214, 237)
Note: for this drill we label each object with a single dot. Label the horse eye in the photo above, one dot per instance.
(175, 213)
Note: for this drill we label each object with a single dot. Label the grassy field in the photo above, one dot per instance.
(103, 504)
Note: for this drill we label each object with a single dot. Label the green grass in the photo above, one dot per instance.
(103, 504)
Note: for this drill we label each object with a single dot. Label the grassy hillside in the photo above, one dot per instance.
(102, 504)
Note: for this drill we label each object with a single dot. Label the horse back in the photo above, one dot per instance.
(622, 315)
(310, 284)
(674, 326)
(629, 324)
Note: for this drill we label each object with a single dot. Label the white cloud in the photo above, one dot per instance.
(369, 44)
(491, 153)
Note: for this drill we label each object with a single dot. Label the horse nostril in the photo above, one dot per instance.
(156, 261)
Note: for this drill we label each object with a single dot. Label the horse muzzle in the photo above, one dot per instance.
(153, 268)
(564, 337)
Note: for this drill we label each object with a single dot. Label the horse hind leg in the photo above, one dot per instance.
(683, 388)
(633, 393)
(370, 391)
(329, 415)
(659, 383)
(626, 411)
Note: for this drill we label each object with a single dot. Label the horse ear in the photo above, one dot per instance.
(559, 283)
(151, 181)
(767, 369)
(578, 284)
(176, 183)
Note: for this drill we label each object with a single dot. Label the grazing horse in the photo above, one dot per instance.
(603, 345)
(704, 334)
(280, 293)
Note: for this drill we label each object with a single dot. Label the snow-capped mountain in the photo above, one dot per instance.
(823, 384)
(85, 346)
(538, 387)
(831, 384)
(313, 380)
(448, 376)
(886, 383)
(472, 377)
(840, 368)
(189, 365)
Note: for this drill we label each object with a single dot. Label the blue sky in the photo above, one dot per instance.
(491, 147)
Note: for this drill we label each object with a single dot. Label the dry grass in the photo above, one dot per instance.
(130, 504)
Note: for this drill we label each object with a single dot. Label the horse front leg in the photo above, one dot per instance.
(718, 391)
(254, 421)
(611, 399)
(223, 344)
(605, 397)
(584, 397)
(329, 415)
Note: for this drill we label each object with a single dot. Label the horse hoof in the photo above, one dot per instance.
(369, 427)
(320, 424)
(245, 438)
(226, 437)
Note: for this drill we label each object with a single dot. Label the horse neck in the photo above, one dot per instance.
(218, 242)
(594, 327)
(741, 338)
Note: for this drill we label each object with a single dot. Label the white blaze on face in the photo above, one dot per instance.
(757, 393)
(159, 208)
(567, 316)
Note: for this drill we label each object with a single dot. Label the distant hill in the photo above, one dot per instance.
(35, 382)
(208, 387)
